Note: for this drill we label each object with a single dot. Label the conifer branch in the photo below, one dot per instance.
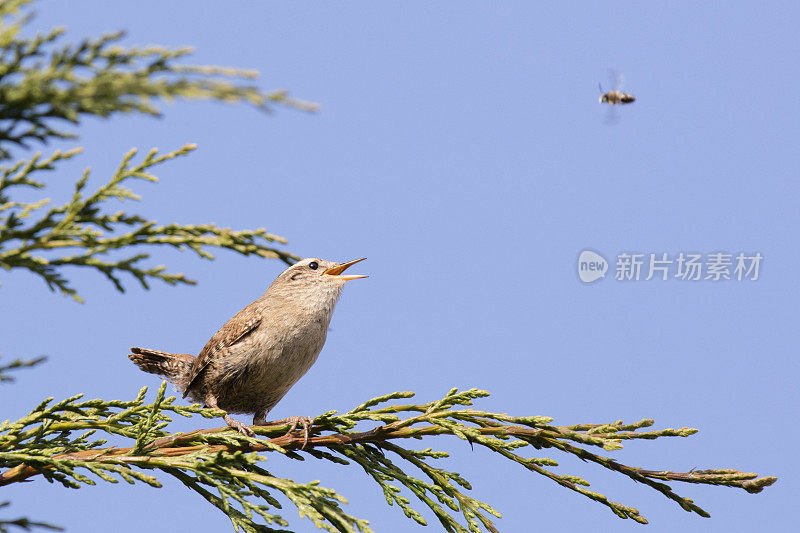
(222, 466)
(83, 233)
(24, 524)
(43, 85)
(18, 363)
(46, 86)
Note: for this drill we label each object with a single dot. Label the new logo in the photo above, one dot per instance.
(591, 266)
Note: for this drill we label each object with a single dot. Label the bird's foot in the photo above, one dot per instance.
(241, 427)
(304, 421)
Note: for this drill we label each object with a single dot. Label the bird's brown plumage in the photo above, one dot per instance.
(234, 330)
(253, 360)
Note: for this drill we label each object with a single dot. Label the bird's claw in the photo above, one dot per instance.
(305, 421)
(293, 422)
(241, 427)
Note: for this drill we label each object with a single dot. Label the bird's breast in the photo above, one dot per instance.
(259, 370)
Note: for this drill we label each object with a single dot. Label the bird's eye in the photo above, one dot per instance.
(313, 265)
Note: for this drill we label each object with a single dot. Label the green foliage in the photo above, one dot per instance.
(47, 88)
(43, 85)
(24, 523)
(82, 233)
(222, 466)
(18, 363)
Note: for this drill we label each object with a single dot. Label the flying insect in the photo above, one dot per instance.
(615, 96)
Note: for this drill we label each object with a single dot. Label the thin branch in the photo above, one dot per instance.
(24, 524)
(43, 84)
(18, 363)
(41, 444)
(83, 232)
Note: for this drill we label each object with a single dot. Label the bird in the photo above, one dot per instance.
(253, 360)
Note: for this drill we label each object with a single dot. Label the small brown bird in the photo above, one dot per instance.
(256, 356)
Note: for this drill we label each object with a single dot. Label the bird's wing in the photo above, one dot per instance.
(235, 330)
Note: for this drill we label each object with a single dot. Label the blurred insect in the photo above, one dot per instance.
(615, 96)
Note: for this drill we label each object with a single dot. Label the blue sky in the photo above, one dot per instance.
(464, 152)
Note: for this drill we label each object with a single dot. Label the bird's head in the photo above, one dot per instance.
(313, 280)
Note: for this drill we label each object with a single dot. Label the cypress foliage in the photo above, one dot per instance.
(46, 89)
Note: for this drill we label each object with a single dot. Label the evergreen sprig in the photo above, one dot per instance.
(43, 85)
(222, 466)
(18, 363)
(46, 86)
(24, 524)
(82, 233)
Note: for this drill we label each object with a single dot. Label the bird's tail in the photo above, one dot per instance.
(175, 367)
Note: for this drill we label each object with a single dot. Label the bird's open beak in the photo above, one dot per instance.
(337, 270)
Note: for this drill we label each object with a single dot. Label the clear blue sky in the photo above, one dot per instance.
(462, 149)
